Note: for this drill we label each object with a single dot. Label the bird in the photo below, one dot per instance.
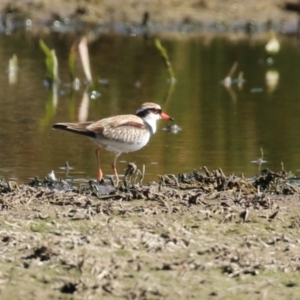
(120, 133)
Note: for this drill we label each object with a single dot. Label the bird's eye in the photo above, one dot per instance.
(156, 110)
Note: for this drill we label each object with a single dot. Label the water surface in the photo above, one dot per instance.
(221, 127)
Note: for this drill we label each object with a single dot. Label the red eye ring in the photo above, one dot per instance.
(156, 110)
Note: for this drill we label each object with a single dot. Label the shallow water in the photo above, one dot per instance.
(221, 127)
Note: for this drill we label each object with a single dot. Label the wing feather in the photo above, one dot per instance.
(122, 128)
(80, 128)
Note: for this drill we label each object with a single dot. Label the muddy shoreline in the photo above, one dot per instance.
(196, 236)
(162, 16)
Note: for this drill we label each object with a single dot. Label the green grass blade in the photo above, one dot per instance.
(51, 62)
(165, 56)
(54, 66)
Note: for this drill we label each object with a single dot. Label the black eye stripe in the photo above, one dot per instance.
(145, 111)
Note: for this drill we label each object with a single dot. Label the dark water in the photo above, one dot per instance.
(221, 127)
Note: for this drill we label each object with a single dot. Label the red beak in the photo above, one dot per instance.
(166, 117)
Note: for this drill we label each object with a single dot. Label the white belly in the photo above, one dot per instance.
(122, 146)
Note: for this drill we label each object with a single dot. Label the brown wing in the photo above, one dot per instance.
(80, 128)
(123, 128)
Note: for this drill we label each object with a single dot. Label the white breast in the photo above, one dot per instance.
(128, 144)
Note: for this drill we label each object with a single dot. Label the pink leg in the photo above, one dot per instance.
(100, 174)
(114, 167)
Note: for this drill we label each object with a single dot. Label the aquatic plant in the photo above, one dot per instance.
(172, 79)
(72, 60)
(85, 59)
(273, 46)
(13, 69)
(227, 81)
(51, 62)
(165, 56)
(81, 46)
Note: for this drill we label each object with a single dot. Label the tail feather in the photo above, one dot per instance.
(79, 128)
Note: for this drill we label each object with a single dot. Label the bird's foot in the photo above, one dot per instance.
(101, 181)
(115, 182)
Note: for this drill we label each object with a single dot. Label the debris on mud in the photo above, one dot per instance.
(211, 189)
(141, 241)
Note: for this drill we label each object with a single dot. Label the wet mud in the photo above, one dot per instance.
(186, 236)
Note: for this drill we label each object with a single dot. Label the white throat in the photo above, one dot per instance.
(151, 119)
